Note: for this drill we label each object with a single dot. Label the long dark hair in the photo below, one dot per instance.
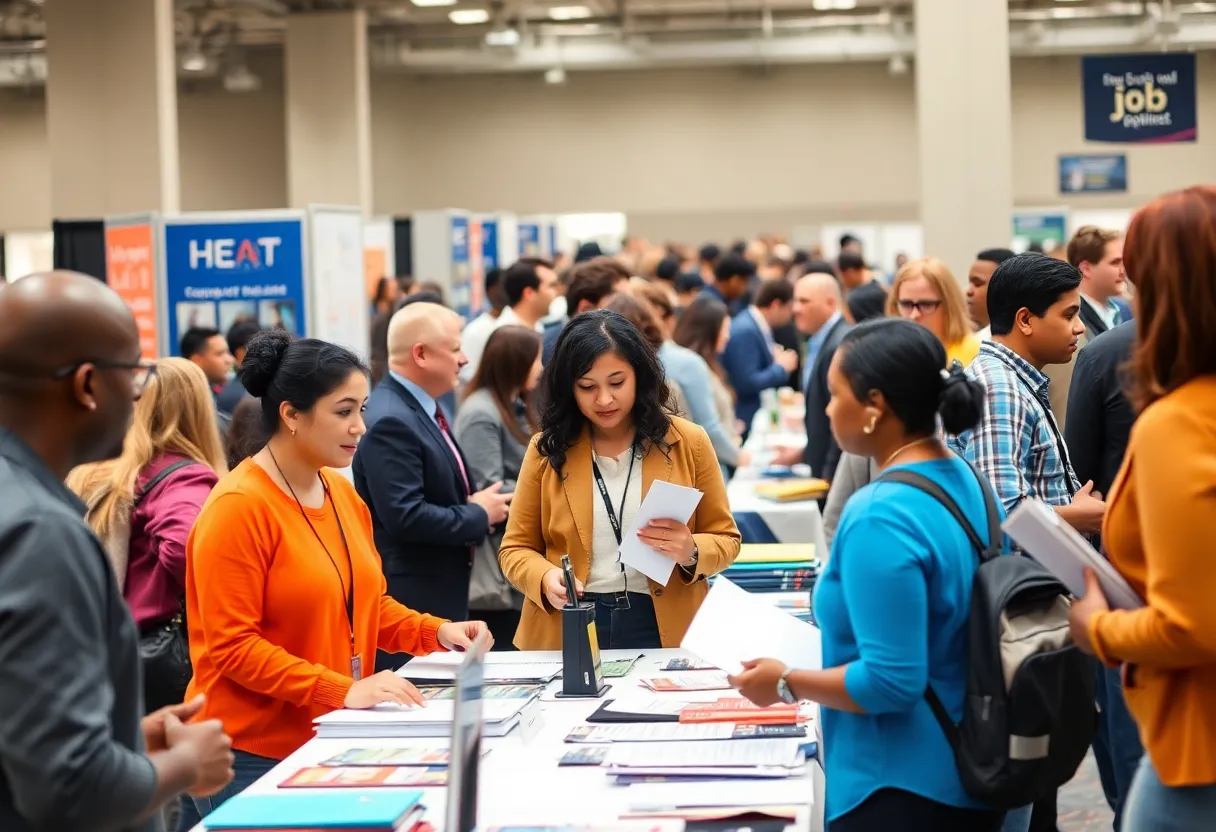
(699, 328)
(904, 361)
(585, 339)
(505, 364)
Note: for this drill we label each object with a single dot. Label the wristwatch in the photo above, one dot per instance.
(783, 690)
(696, 556)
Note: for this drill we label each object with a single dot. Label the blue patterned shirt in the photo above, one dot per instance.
(1017, 443)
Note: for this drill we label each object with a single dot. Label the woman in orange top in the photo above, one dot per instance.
(285, 597)
(1159, 520)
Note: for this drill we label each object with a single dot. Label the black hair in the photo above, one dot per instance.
(493, 276)
(588, 251)
(422, 297)
(995, 255)
(904, 361)
(819, 267)
(522, 275)
(668, 268)
(690, 282)
(848, 261)
(1027, 281)
(847, 239)
(278, 368)
(709, 253)
(240, 333)
(779, 290)
(195, 340)
(583, 340)
(734, 265)
(738, 247)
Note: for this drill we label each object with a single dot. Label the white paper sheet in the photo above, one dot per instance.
(692, 795)
(664, 501)
(1066, 554)
(658, 732)
(639, 705)
(734, 626)
(708, 754)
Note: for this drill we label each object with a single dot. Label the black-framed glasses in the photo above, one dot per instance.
(922, 306)
(141, 371)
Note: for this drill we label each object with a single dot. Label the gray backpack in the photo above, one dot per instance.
(1029, 714)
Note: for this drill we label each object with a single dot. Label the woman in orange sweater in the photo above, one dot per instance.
(1159, 520)
(285, 597)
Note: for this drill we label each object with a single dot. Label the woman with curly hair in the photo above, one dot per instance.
(605, 438)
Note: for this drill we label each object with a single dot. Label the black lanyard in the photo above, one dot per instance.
(599, 481)
(348, 593)
(1061, 447)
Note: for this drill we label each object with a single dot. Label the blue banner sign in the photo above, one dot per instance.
(219, 273)
(1139, 98)
(1093, 174)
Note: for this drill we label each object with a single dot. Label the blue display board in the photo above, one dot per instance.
(489, 244)
(529, 240)
(1093, 174)
(222, 272)
(1139, 98)
(461, 267)
(1047, 228)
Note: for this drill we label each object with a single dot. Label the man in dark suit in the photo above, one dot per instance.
(818, 305)
(1098, 254)
(753, 360)
(1099, 423)
(426, 513)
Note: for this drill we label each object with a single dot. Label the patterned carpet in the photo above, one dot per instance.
(1082, 806)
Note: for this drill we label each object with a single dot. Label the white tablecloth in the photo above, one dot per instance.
(520, 783)
(797, 522)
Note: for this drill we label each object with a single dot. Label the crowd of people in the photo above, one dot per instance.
(200, 555)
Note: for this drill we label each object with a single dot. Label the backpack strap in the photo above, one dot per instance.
(986, 552)
(160, 477)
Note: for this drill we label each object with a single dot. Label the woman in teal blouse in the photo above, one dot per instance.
(894, 600)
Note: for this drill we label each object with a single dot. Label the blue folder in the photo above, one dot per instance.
(337, 809)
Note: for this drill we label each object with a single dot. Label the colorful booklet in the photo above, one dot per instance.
(365, 777)
(390, 757)
(616, 668)
(687, 664)
(374, 810)
(739, 711)
(688, 681)
(590, 755)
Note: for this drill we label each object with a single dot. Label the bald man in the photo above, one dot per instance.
(427, 515)
(818, 314)
(76, 752)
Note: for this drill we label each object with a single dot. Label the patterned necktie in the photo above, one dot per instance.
(446, 430)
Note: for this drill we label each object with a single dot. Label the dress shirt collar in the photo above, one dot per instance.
(765, 329)
(15, 450)
(1037, 380)
(1108, 312)
(424, 398)
(816, 340)
(509, 318)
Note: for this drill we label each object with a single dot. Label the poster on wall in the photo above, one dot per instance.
(1044, 227)
(1093, 174)
(1139, 98)
(220, 271)
(335, 243)
(131, 272)
(529, 239)
(378, 253)
(461, 267)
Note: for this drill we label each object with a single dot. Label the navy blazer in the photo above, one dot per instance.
(423, 523)
(749, 364)
(822, 453)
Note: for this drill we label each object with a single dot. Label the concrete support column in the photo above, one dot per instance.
(111, 107)
(964, 123)
(329, 144)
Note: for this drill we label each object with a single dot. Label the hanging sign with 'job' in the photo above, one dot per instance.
(1139, 98)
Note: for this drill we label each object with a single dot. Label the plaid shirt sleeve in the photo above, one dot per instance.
(997, 445)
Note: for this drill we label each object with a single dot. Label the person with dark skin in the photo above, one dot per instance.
(76, 752)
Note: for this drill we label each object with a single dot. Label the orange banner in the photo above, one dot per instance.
(375, 261)
(130, 272)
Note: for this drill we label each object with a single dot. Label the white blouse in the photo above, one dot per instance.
(606, 574)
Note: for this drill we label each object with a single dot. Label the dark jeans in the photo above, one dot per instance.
(895, 810)
(1117, 748)
(619, 629)
(248, 768)
(502, 624)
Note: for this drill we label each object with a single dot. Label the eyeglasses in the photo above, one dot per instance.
(142, 372)
(921, 306)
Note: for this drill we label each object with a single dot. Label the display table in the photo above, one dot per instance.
(766, 521)
(520, 782)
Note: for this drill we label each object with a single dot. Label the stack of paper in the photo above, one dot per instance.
(710, 680)
(440, 668)
(499, 716)
(699, 801)
(762, 759)
(790, 490)
(680, 732)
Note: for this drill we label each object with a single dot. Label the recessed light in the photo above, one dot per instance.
(569, 13)
(468, 17)
(422, 4)
(844, 5)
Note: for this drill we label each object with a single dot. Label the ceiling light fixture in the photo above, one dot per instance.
(821, 5)
(844, 5)
(557, 75)
(502, 37)
(426, 4)
(469, 17)
(194, 60)
(569, 13)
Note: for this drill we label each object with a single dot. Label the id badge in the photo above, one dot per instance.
(356, 667)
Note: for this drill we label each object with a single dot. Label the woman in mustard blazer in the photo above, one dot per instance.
(605, 437)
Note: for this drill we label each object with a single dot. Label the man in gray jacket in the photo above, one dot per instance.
(76, 752)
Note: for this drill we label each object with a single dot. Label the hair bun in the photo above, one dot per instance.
(263, 355)
(961, 400)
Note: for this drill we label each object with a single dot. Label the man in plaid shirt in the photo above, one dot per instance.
(1034, 303)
